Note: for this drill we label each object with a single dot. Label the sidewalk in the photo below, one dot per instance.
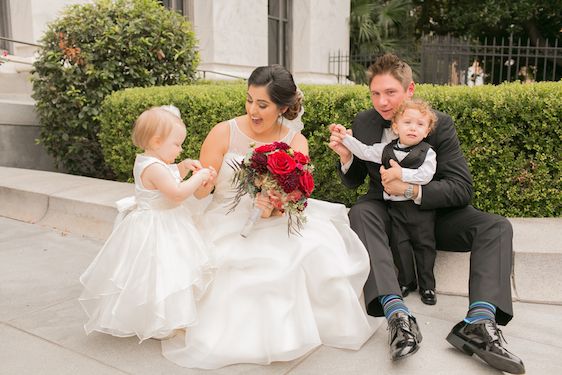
(41, 321)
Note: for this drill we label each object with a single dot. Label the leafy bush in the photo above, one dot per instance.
(93, 50)
(511, 135)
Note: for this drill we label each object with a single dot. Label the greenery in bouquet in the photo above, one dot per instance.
(280, 172)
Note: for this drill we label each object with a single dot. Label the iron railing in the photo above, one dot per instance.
(448, 60)
(457, 61)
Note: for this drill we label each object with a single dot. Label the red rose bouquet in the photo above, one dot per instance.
(281, 173)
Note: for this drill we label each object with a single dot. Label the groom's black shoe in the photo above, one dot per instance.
(406, 289)
(404, 336)
(485, 340)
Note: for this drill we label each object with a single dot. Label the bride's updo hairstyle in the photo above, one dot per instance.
(280, 87)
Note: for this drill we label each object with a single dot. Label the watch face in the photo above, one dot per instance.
(409, 192)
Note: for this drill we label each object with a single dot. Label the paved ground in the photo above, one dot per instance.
(41, 324)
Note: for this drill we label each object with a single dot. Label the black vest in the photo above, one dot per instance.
(414, 159)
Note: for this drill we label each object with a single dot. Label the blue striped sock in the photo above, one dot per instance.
(392, 304)
(479, 311)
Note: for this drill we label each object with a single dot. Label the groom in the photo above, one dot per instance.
(458, 226)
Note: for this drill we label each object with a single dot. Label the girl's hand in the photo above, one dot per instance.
(191, 165)
(212, 177)
(204, 173)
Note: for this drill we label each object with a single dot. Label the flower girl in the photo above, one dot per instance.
(146, 279)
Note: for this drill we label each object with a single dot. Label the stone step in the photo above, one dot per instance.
(86, 206)
(14, 82)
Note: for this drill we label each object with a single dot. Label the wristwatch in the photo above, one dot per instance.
(409, 192)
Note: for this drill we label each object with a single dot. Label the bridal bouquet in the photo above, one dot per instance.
(281, 173)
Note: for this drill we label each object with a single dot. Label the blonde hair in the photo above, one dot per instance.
(419, 105)
(391, 64)
(154, 122)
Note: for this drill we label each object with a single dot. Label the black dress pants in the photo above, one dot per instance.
(487, 236)
(412, 235)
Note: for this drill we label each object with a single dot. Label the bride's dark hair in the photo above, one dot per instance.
(280, 87)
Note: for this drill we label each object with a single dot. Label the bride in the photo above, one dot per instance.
(275, 297)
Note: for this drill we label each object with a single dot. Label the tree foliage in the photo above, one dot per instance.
(93, 50)
(536, 19)
(377, 27)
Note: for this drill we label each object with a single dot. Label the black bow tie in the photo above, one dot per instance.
(387, 124)
(405, 149)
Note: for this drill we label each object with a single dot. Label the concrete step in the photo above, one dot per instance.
(86, 206)
(13, 81)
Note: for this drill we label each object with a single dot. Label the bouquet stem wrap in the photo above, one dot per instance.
(254, 216)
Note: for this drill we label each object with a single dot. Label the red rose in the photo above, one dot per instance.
(280, 163)
(301, 158)
(266, 148)
(281, 146)
(307, 183)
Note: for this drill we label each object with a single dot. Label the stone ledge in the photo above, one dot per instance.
(77, 204)
(86, 206)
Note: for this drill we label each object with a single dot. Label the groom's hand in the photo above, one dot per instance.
(392, 173)
(337, 132)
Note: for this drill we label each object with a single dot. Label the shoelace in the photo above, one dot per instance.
(495, 333)
(396, 324)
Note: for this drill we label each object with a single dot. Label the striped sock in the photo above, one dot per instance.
(479, 311)
(392, 304)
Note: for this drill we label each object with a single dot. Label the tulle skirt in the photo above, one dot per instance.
(148, 276)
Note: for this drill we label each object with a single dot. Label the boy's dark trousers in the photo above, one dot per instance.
(412, 235)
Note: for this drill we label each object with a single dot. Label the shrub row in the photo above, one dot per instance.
(510, 134)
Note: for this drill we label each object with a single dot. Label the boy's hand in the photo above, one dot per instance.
(337, 133)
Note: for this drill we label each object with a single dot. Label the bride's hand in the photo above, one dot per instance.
(263, 202)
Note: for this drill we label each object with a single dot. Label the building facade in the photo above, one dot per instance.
(234, 36)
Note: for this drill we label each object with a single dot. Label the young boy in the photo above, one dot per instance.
(414, 162)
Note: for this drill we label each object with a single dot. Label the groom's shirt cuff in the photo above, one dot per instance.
(418, 198)
(345, 167)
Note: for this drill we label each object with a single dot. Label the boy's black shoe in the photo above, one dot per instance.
(406, 289)
(428, 296)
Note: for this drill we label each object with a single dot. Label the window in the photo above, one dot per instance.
(279, 12)
(5, 25)
(184, 7)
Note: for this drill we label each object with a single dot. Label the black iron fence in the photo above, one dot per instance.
(454, 61)
(349, 69)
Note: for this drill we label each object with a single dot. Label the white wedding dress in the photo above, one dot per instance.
(153, 268)
(275, 297)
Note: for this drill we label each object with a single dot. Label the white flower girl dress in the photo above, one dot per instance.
(146, 279)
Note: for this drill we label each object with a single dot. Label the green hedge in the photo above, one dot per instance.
(511, 135)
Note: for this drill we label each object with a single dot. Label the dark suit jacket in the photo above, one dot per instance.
(452, 183)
